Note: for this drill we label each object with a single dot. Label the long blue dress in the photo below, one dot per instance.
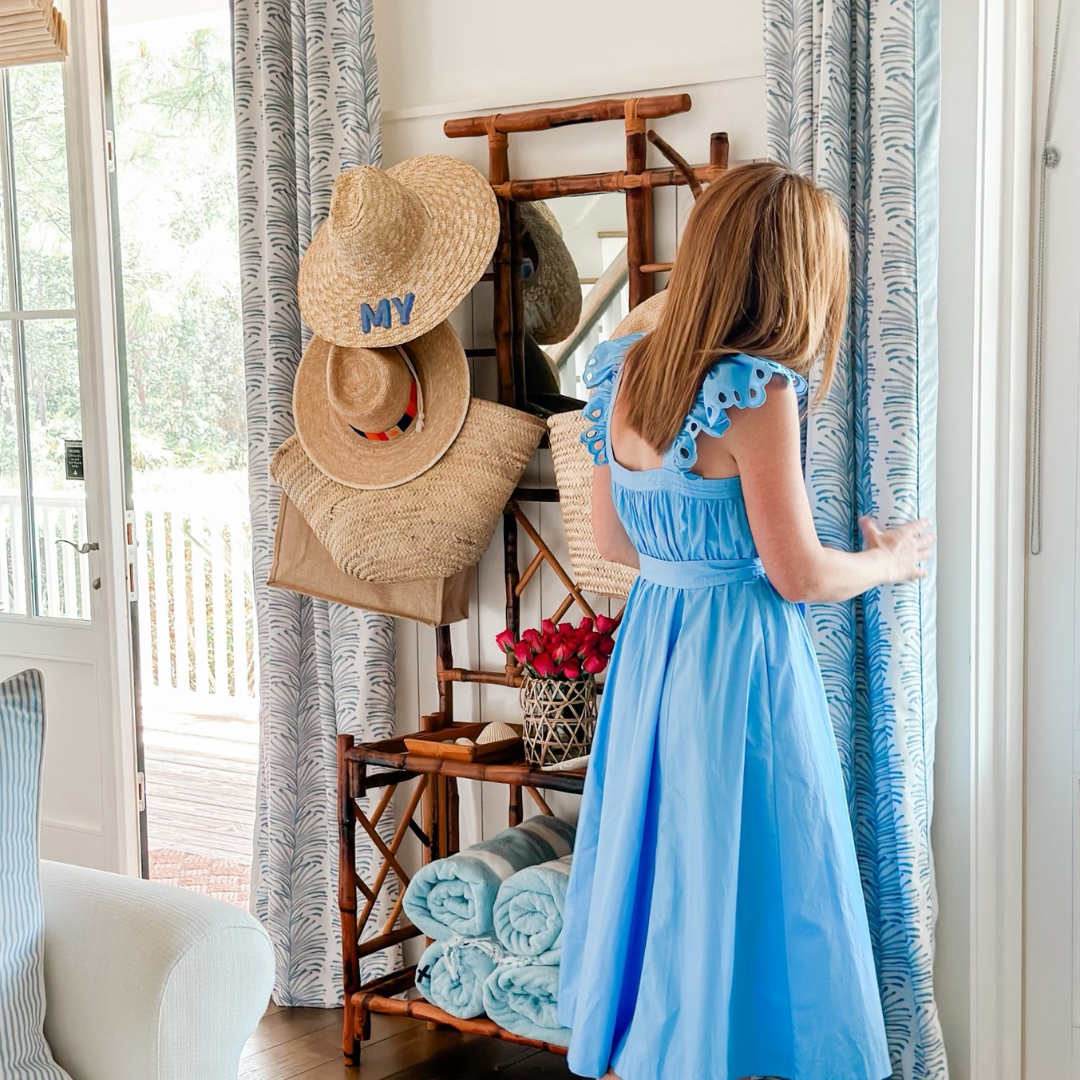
(715, 924)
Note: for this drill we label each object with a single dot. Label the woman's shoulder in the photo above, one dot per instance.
(736, 381)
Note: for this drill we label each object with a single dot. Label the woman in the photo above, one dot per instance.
(715, 924)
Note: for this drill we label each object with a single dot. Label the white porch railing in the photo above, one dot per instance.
(196, 604)
(196, 601)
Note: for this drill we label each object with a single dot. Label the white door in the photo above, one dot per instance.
(1052, 836)
(63, 558)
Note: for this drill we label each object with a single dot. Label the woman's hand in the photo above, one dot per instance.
(904, 548)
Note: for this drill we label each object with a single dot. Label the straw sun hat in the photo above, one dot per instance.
(643, 318)
(573, 474)
(377, 418)
(398, 251)
(551, 292)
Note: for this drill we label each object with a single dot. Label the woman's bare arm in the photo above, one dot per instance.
(611, 538)
(765, 444)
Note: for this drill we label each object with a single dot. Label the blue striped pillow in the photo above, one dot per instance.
(24, 1054)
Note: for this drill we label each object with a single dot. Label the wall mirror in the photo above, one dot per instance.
(574, 242)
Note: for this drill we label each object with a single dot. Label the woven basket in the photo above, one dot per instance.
(573, 474)
(560, 715)
(433, 526)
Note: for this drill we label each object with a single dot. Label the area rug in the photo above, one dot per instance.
(218, 878)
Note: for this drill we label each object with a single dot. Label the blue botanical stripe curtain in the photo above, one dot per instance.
(852, 95)
(307, 106)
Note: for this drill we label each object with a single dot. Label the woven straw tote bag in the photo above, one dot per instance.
(432, 527)
(573, 474)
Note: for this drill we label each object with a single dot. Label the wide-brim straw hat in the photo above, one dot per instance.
(643, 318)
(377, 418)
(435, 525)
(399, 250)
(552, 292)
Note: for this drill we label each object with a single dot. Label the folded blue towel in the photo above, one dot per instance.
(457, 895)
(529, 911)
(523, 999)
(451, 974)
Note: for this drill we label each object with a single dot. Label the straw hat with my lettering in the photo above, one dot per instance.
(399, 250)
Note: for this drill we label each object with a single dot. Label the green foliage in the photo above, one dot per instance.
(176, 172)
(176, 175)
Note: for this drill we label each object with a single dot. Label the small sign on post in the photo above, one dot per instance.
(73, 459)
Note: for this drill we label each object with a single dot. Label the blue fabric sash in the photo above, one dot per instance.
(699, 573)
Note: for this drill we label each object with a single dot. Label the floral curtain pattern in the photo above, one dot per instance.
(307, 106)
(852, 99)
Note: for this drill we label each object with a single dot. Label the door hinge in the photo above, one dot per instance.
(140, 791)
(131, 544)
(110, 151)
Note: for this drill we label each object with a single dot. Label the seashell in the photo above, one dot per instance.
(497, 732)
(464, 742)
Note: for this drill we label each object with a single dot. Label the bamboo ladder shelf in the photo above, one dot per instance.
(383, 766)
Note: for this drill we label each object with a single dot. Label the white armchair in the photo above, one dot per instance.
(148, 982)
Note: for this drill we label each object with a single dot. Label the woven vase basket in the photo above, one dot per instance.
(560, 716)
(433, 526)
(573, 474)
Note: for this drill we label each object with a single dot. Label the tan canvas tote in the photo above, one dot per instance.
(302, 564)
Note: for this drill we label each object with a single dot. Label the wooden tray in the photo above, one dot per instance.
(441, 744)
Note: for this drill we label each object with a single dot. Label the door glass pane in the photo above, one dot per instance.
(12, 529)
(42, 205)
(55, 417)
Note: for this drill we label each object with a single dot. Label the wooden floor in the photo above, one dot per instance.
(306, 1043)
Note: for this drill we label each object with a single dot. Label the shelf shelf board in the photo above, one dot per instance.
(424, 1010)
(393, 754)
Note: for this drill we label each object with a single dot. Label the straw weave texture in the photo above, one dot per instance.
(433, 526)
(573, 474)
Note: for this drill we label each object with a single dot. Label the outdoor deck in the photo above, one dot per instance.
(200, 801)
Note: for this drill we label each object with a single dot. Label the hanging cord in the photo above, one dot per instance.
(1049, 159)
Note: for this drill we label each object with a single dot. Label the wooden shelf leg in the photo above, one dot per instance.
(350, 960)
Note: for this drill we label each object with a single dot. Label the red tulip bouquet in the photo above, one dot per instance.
(564, 651)
(558, 693)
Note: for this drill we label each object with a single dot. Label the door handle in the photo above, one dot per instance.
(85, 549)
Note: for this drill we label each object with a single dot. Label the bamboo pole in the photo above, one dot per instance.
(553, 187)
(649, 108)
(637, 209)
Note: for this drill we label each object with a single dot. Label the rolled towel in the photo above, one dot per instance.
(451, 974)
(523, 999)
(529, 911)
(457, 895)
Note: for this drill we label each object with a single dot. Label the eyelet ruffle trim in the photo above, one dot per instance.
(733, 382)
(599, 377)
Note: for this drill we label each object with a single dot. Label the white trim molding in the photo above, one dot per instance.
(998, 507)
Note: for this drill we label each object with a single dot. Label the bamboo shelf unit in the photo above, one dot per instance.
(367, 768)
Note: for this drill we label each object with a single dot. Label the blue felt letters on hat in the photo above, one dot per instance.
(380, 315)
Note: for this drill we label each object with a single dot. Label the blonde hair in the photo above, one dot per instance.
(763, 270)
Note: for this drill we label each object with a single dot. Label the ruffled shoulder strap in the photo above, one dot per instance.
(732, 382)
(599, 376)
